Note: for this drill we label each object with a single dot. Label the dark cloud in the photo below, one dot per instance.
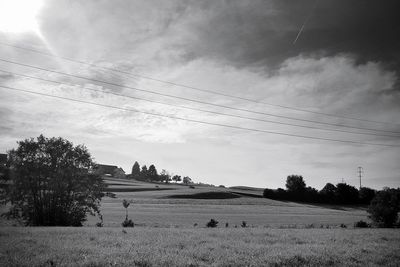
(262, 32)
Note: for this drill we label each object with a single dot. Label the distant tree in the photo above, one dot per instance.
(384, 208)
(328, 193)
(269, 193)
(311, 195)
(52, 183)
(295, 186)
(144, 173)
(135, 174)
(346, 194)
(152, 173)
(176, 178)
(186, 180)
(165, 176)
(366, 195)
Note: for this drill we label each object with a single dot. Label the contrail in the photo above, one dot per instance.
(305, 22)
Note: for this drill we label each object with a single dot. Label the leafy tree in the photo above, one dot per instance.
(187, 180)
(366, 195)
(346, 194)
(269, 193)
(165, 176)
(328, 193)
(52, 183)
(135, 174)
(295, 186)
(176, 178)
(152, 174)
(144, 173)
(384, 207)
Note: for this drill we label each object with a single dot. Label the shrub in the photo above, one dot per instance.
(212, 223)
(384, 207)
(227, 225)
(244, 224)
(361, 224)
(128, 223)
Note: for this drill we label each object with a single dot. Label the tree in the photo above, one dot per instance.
(328, 193)
(144, 173)
(176, 178)
(187, 180)
(366, 195)
(384, 207)
(52, 183)
(135, 174)
(346, 194)
(295, 186)
(165, 176)
(152, 174)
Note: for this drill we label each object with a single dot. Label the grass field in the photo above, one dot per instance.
(170, 231)
(144, 246)
(159, 205)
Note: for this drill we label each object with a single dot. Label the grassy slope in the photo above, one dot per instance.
(156, 208)
(198, 247)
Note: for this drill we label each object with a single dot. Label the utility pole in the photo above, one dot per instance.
(360, 173)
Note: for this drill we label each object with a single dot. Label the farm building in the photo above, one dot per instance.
(110, 171)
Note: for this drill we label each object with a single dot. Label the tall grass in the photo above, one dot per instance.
(198, 247)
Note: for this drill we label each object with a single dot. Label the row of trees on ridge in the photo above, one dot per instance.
(150, 174)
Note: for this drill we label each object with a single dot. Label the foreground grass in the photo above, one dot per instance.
(198, 247)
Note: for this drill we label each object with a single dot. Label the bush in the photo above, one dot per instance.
(244, 224)
(384, 207)
(128, 223)
(361, 224)
(212, 223)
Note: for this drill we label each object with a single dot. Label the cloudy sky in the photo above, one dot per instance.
(293, 59)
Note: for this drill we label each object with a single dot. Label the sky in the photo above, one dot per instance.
(293, 59)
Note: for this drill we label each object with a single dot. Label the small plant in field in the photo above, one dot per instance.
(361, 224)
(244, 224)
(212, 223)
(128, 223)
(126, 204)
(226, 225)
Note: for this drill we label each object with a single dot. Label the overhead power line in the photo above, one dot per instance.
(197, 109)
(197, 121)
(193, 100)
(135, 75)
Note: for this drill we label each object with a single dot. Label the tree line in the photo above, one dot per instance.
(383, 205)
(150, 174)
(342, 193)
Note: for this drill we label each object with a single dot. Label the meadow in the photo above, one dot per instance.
(159, 205)
(145, 246)
(170, 231)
